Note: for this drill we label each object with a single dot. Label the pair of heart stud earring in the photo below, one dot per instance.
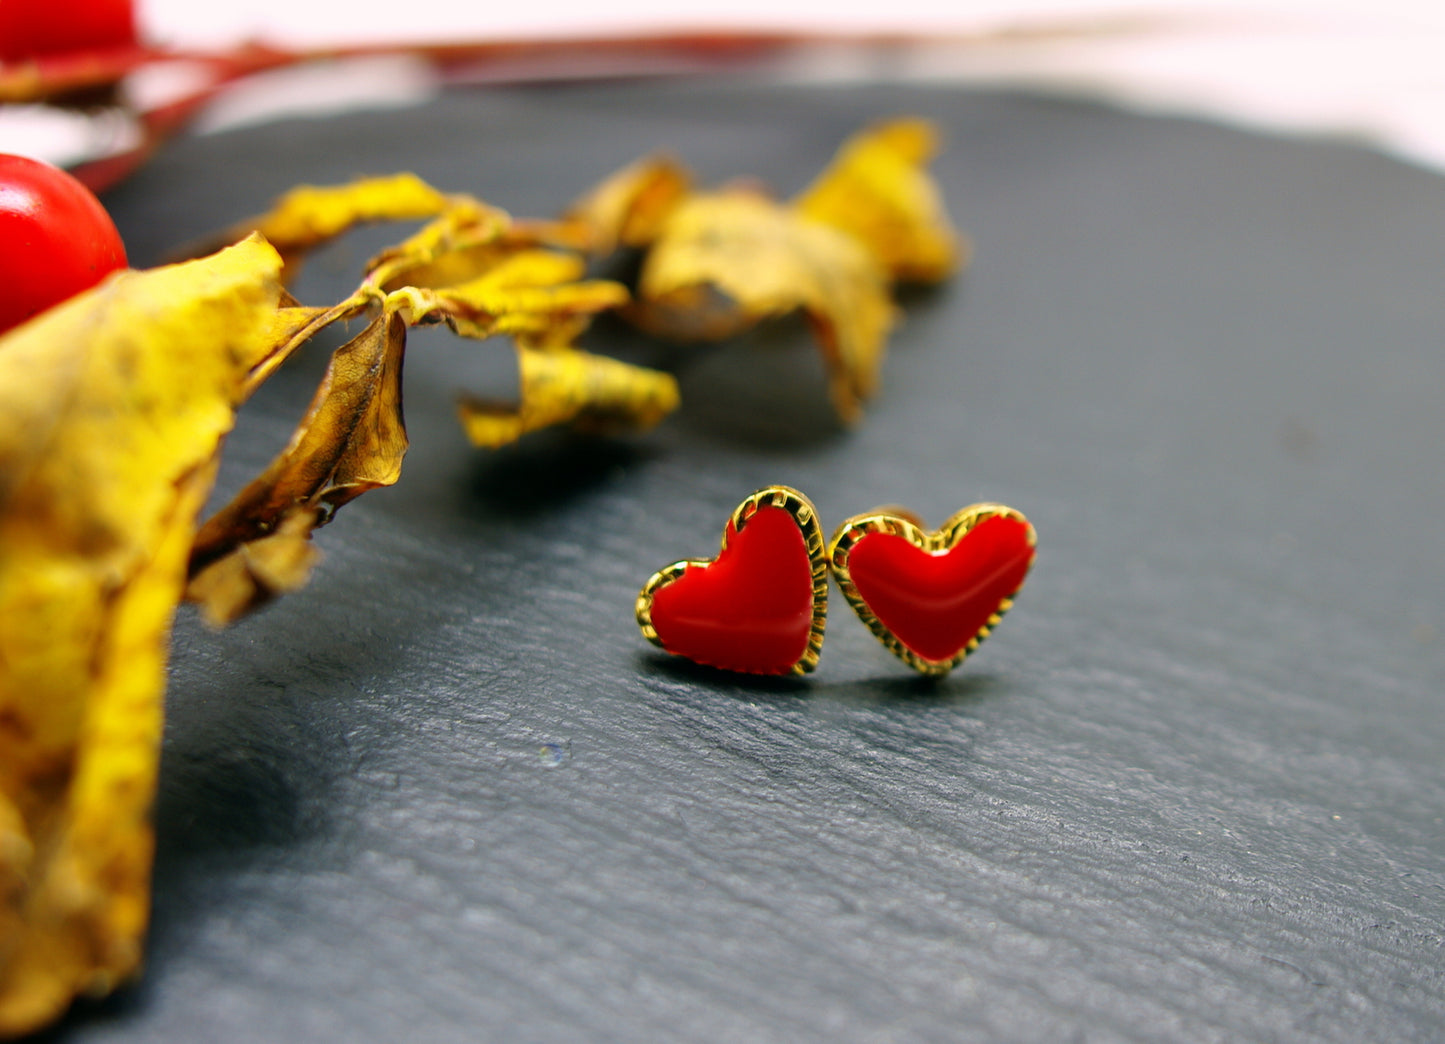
(931, 596)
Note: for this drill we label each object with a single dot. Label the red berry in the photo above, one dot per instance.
(30, 28)
(55, 239)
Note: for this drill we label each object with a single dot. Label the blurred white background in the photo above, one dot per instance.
(1367, 69)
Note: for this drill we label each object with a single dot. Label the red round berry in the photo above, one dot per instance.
(55, 239)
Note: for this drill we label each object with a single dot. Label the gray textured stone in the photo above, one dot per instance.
(1191, 790)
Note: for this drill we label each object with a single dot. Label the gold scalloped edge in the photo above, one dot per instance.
(805, 516)
(892, 521)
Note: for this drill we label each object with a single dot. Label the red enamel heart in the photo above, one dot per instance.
(759, 606)
(933, 596)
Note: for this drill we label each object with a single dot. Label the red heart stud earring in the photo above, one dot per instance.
(760, 606)
(932, 596)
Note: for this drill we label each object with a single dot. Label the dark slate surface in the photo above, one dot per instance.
(1192, 790)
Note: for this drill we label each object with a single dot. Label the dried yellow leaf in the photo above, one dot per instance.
(629, 207)
(309, 215)
(536, 296)
(112, 411)
(466, 240)
(878, 191)
(567, 386)
(765, 260)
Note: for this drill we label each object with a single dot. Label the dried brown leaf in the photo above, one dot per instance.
(351, 440)
(256, 572)
(291, 326)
